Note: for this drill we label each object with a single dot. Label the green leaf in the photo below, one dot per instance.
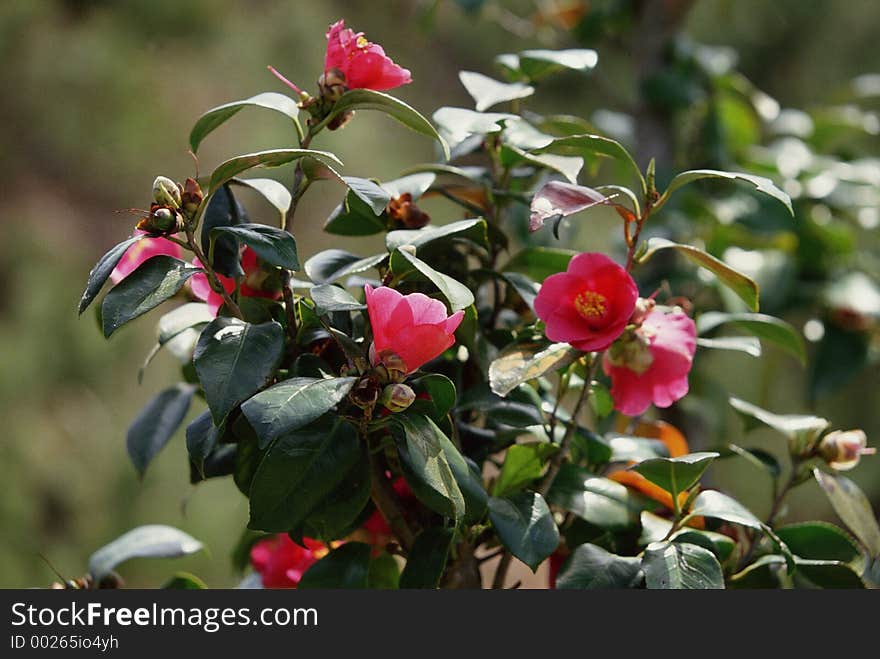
(801, 429)
(656, 529)
(487, 92)
(457, 124)
(223, 210)
(384, 573)
(681, 566)
(523, 464)
(184, 581)
(275, 246)
(292, 404)
(747, 344)
(346, 567)
(524, 286)
(745, 288)
(598, 500)
(156, 280)
(601, 401)
(759, 458)
(540, 262)
(215, 117)
(590, 146)
(299, 471)
(271, 190)
(342, 508)
(101, 272)
(329, 298)
(720, 506)
(767, 328)
(473, 230)
(520, 364)
(525, 526)
(370, 192)
(536, 64)
(367, 99)
(675, 474)
(568, 166)
(231, 168)
(424, 453)
(820, 541)
(593, 568)
(413, 184)
(234, 360)
(457, 294)
(761, 184)
(156, 424)
(441, 390)
(333, 264)
(182, 324)
(201, 440)
(151, 541)
(427, 558)
(354, 217)
(853, 508)
(828, 574)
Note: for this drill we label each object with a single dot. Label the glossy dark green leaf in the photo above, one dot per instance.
(761, 184)
(215, 117)
(820, 541)
(234, 360)
(223, 210)
(274, 246)
(853, 508)
(744, 287)
(712, 503)
(299, 471)
(523, 464)
(273, 191)
(384, 573)
(600, 501)
(333, 264)
(592, 146)
(473, 230)
(184, 581)
(346, 567)
(367, 99)
(101, 272)
(525, 526)
(231, 168)
(330, 298)
(370, 192)
(151, 541)
(568, 166)
(354, 217)
(156, 280)
(156, 424)
(675, 474)
(336, 516)
(766, 328)
(828, 574)
(425, 455)
(681, 566)
(427, 559)
(457, 124)
(201, 440)
(441, 391)
(538, 63)
(292, 404)
(593, 568)
(457, 294)
(747, 344)
(520, 364)
(801, 429)
(524, 286)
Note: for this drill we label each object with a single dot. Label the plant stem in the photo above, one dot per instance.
(501, 570)
(213, 279)
(386, 501)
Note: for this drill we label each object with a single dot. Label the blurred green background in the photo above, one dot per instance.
(98, 99)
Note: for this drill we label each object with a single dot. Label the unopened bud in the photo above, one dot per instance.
(632, 351)
(333, 85)
(404, 212)
(397, 397)
(192, 197)
(162, 220)
(166, 192)
(390, 368)
(842, 449)
(365, 393)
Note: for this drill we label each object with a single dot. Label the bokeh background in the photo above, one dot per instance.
(99, 97)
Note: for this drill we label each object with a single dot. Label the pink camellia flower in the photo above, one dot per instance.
(200, 287)
(414, 327)
(145, 248)
(364, 65)
(589, 305)
(842, 449)
(651, 364)
(252, 284)
(281, 562)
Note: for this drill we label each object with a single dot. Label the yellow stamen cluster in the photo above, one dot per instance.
(590, 305)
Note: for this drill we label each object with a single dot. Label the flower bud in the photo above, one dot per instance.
(405, 214)
(632, 351)
(365, 393)
(162, 221)
(333, 85)
(842, 449)
(397, 397)
(166, 192)
(390, 368)
(192, 197)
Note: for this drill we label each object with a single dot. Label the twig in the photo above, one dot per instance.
(213, 279)
(501, 570)
(384, 498)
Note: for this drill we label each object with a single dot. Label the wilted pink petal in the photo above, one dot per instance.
(145, 248)
(558, 199)
(589, 305)
(414, 327)
(662, 377)
(364, 64)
